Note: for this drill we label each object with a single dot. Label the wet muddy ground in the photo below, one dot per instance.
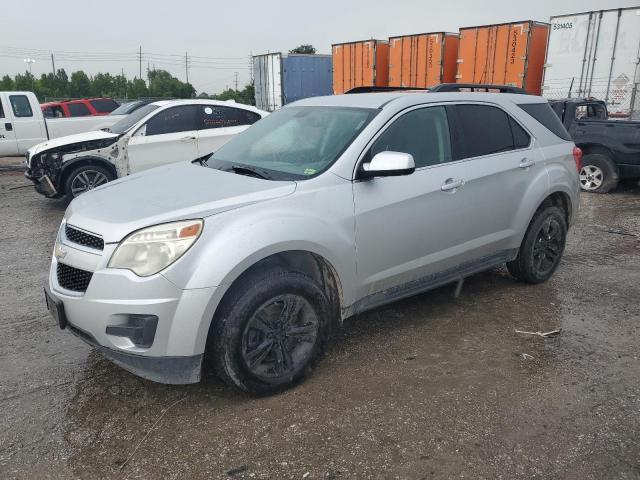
(430, 387)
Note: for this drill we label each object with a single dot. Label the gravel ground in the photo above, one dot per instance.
(430, 387)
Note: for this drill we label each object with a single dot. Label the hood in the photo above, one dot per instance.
(69, 140)
(178, 191)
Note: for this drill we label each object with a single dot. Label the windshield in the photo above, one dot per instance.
(125, 108)
(130, 120)
(293, 143)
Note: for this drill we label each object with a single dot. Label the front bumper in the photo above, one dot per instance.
(113, 296)
(43, 185)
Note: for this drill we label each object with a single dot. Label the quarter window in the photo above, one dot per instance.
(544, 114)
(20, 105)
(78, 109)
(424, 133)
(172, 120)
(104, 105)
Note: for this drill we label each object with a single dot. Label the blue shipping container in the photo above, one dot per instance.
(285, 78)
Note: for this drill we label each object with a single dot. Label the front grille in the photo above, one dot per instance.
(73, 278)
(83, 238)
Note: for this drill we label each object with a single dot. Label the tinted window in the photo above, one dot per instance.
(130, 120)
(544, 114)
(591, 111)
(171, 120)
(216, 116)
(104, 105)
(521, 138)
(423, 133)
(20, 106)
(78, 109)
(1, 109)
(484, 130)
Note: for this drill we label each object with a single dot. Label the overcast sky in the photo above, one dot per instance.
(104, 36)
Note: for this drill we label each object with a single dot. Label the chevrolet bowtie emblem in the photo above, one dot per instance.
(60, 252)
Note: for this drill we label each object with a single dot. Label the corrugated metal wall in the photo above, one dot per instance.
(306, 76)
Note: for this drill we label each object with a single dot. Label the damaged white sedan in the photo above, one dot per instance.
(156, 134)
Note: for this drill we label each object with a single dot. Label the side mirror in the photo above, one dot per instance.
(388, 164)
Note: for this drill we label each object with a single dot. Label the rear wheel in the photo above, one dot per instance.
(598, 174)
(85, 178)
(269, 331)
(541, 248)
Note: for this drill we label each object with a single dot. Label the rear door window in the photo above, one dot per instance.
(172, 120)
(20, 106)
(78, 109)
(424, 133)
(218, 116)
(545, 115)
(483, 130)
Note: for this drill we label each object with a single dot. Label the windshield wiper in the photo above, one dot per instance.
(249, 171)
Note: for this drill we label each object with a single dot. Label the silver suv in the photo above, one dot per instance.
(329, 207)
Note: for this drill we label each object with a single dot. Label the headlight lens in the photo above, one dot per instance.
(152, 249)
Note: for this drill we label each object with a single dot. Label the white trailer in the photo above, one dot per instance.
(596, 54)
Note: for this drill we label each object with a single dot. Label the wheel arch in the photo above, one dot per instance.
(71, 165)
(597, 149)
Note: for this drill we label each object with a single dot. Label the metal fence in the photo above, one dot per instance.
(622, 101)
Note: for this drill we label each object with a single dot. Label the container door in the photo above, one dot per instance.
(568, 48)
(517, 47)
(337, 55)
(268, 81)
(467, 58)
(8, 144)
(619, 67)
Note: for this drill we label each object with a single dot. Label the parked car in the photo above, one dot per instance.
(130, 107)
(83, 107)
(611, 148)
(23, 125)
(326, 208)
(155, 134)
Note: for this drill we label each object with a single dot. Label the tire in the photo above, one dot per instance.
(88, 175)
(253, 346)
(542, 247)
(598, 174)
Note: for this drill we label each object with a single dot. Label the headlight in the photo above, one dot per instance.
(152, 249)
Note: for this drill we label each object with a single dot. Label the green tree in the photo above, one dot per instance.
(80, 85)
(6, 84)
(304, 48)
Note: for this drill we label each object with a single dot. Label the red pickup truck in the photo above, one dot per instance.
(79, 108)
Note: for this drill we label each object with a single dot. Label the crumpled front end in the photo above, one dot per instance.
(45, 168)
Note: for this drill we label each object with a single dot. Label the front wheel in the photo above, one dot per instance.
(269, 331)
(85, 178)
(541, 248)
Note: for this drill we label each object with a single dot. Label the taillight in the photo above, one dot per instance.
(577, 156)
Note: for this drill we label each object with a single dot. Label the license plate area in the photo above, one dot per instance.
(56, 309)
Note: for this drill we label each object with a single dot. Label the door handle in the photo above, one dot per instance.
(451, 184)
(8, 127)
(187, 138)
(526, 163)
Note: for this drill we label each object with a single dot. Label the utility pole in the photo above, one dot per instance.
(140, 62)
(53, 65)
(236, 81)
(186, 66)
(251, 67)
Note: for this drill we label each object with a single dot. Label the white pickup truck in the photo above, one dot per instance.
(22, 124)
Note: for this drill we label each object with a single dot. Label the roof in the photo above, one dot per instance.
(204, 101)
(379, 100)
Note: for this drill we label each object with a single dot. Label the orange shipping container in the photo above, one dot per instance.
(422, 60)
(360, 64)
(504, 54)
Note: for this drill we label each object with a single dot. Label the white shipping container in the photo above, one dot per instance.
(595, 54)
(267, 72)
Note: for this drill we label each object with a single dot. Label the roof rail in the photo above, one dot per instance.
(445, 87)
(477, 87)
(383, 89)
